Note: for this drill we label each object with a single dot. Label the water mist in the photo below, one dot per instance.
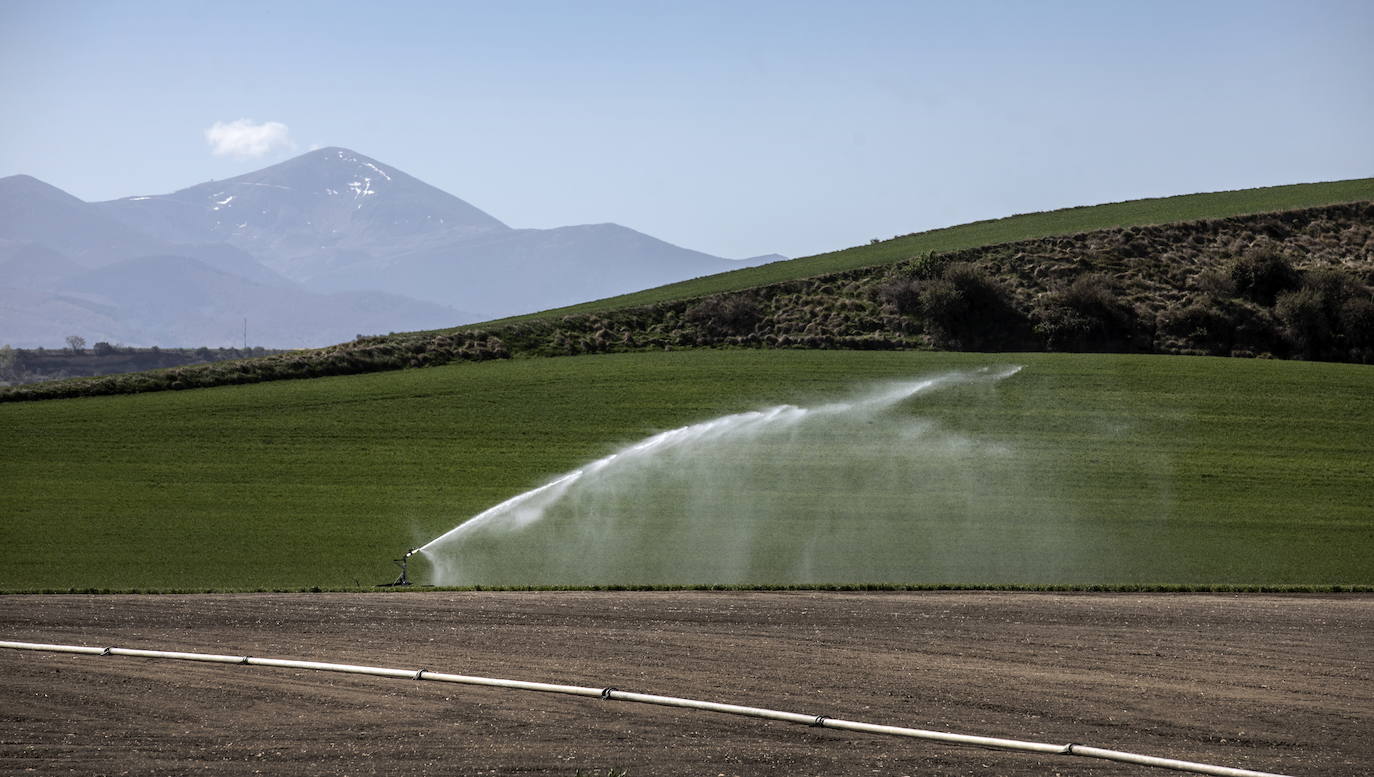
(863, 490)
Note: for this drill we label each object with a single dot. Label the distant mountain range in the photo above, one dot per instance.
(311, 251)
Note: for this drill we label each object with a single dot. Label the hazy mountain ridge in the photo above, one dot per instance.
(313, 251)
(1288, 284)
(336, 220)
(35, 212)
(516, 264)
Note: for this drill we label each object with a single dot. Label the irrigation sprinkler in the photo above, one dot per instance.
(401, 562)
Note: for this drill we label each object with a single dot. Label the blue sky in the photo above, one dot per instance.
(736, 128)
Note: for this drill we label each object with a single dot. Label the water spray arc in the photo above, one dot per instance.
(782, 494)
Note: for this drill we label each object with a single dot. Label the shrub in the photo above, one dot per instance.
(902, 294)
(1357, 319)
(1195, 326)
(1216, 284)
(1328, 317)
(1087, 316)
(930, 265)
(1334, 286)
(1261, 275)
(1305, 322)
(964, 309)
(725, 314)
(1255, 329)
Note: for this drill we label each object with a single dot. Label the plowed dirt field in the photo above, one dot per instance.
(1272, 683)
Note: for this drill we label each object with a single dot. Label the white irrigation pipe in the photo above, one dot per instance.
(614, 694)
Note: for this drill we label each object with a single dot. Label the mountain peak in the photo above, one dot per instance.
(331, 156)
(322, 171)
(337, 152)
(325, 208)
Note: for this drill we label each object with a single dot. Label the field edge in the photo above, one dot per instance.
(1164, 588)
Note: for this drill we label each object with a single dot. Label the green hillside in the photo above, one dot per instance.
(1027, 226)
(1288, 284)
(1078, 469)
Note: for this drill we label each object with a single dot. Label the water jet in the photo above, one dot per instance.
(864, 489)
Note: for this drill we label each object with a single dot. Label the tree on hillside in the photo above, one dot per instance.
(76, 342)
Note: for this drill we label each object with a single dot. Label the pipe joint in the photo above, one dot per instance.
(606, 692)
(819, 721)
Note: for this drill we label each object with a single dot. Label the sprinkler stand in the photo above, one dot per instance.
(401, 562)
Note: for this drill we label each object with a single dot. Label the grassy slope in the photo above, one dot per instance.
(459, 343)
(1161, 210)
(1159, 469)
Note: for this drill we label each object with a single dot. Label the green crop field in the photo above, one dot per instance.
(1162, 210)
(1079, 469)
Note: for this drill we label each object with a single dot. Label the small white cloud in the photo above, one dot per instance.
(245, 138)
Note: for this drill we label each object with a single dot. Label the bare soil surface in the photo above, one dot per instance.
(1273, 683)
